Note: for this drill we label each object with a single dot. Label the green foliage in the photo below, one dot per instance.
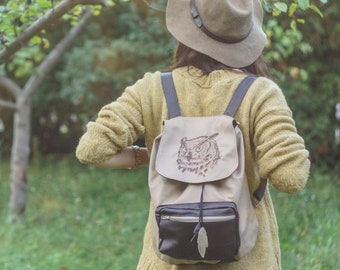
(109, 56)
(25, 60)
(293, 8)
(81, 217)
(282, 24)
(17, 15)
(117, 51)
(283, 43)
(314, 111)
(311, 84)
(288, 15)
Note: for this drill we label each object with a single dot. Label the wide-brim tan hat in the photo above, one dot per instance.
(229, 31)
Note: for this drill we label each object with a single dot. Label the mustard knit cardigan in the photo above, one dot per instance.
(273, 148)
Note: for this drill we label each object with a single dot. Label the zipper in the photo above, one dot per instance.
(197, 219)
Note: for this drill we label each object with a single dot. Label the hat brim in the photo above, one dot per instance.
(181, 25)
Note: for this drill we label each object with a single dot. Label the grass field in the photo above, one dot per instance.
(83, 218)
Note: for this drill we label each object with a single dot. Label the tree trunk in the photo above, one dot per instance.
(19, 160)
(22, 121)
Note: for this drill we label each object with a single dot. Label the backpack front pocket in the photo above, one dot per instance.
(199, 231)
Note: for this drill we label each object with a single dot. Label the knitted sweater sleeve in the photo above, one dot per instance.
(117, 126)
(279, 150)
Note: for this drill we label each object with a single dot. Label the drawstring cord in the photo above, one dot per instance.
(200, 218)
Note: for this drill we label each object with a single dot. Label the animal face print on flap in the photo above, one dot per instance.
(197, 149)
(198, 154)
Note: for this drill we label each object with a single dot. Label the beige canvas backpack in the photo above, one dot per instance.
(203, 209)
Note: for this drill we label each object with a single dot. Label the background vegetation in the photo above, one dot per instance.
(127, 40)
(81, 217)
(75, 218)
(87, 225)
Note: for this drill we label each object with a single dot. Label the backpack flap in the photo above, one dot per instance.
(197, 149)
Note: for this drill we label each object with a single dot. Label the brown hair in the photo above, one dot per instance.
(186, 57)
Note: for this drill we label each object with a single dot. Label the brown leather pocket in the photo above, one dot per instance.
(180, 231)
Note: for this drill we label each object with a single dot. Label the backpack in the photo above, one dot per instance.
(203, 209)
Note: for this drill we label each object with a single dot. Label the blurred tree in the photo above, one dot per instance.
(21, 26)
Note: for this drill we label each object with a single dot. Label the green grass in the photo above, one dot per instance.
(78, 217)
(81, 217)
(309, 224)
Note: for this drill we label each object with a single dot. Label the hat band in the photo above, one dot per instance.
(198, 21)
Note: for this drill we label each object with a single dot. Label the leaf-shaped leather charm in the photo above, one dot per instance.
(202, 241)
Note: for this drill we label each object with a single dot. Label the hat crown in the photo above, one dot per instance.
(229, 31)
(231, 20)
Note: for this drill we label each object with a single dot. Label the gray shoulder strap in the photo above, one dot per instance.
(172, 100)
(174, 111)
(170, 94)
(238, 96)
(234, 104)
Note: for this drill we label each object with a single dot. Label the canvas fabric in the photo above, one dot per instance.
(196, 151)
